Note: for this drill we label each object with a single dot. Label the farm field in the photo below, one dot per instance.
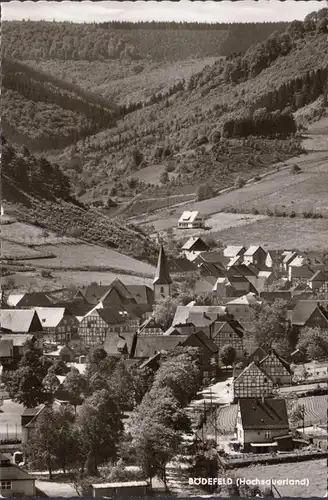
(314, 470)
(26, 234)
(275, 233)
(10, 250)
(315, 413)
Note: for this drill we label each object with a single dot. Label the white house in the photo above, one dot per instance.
(191, 220)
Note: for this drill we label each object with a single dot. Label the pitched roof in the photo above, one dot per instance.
(233, 325)
(173, 330)
(162, 276)
(204, 341)
(76, 307)
(18, 339)
(234, 250)
(13, 473)
(50, 316)
(210, 269)
(14, 298)
(266, 415)
(114, 343)
(289, 256)
(153, 359)
(111, 315)
(95, 293)
(17, 320)
(251, 250)
(195, 241)
(142, 294)
(34, 299)
(259, 352)
(304, 310)
(188, 216)
(319, 276)
(181, 265)
(248, 300)
(282, 361)
(279, 294)
(148, 345)
(249, 367)
(149, 323)
(183, 313)
(213, 257)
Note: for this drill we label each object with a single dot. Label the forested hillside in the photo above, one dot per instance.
(39, 193)
(119, 40)
(41, 111)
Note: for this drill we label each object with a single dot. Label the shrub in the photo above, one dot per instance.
(204, 192)
(295, 169)
(255, 211)
(240, 182)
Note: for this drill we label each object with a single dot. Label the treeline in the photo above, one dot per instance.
(34, 175)
(173, 25)
(262, 124)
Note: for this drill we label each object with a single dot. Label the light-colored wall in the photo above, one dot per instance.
(158, 294)
(20, 487)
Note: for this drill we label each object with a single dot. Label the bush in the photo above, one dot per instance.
(295, 169)
(240, 182)
(204, 192)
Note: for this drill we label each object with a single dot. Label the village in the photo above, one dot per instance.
(239, 335)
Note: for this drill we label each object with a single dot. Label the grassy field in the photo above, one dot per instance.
(314, 470)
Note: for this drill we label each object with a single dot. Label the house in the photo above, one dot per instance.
(223, 288)
(287, 258)
(309, 313)
(34, 299)
(240, 308)
(240, 282)
(212, 257)
(182, 266)
(277, 368)
(162, 283)
(273, 259)
(60, 326)
(204, 285)
(127, 489)
(6, 351)
(299, 272)
(14, 481)
(260, 422)
(229, 333)
(252, 382)
(13, 298)
(62, 353)
(198, 318)
(116, 294)
(194, 246)
(190, 220)
(97, 324)
(147, 346)
(260, 353)
(232, 251)
(277, 295)
(255, 255)
(18, 341)
(28, 422)
(143, 296)
(319, 281)
(20, 320)
(209, 354)
(120, 344)
(150, 327)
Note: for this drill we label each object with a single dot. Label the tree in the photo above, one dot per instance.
(142, 379)
(314, 343)
(25, 385)
(164, 178)
(228, 355)
(51, 385)
(100, 424)
(164, 311)
(75, 386)
(205, 191)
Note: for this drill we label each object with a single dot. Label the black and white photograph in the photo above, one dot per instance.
(164, 249)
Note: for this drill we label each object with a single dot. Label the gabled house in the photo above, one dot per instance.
(255, 255)
(212, 257)
(17, 341)
(34, 299)
(190, 220)
(229, 333)
(252, 382)
(97, 324)
(309, 313)
(223, 288)
(232, 251)
(319, 281)
(60, 326)
(199, 318)
(162, 282)
(277, 368)
(150, 327)
(183, 266)
(287, 258)
(240, 308)
(299, 272)
(262, 425)
(194, 246)
(209, 354)
(15, 481)
(142, 295)
(120, 344)
(147, 346)
(20, 320)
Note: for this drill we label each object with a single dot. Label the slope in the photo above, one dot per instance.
(37, 192)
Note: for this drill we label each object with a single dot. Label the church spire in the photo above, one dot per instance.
(162, 276)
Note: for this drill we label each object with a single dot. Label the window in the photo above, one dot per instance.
(6, 485)
(267, 434)
(162, 289)
(278, 380)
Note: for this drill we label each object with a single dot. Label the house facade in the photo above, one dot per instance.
(277, 369)
(14, 481)
(229, 333)
(255, 255)
(193, 247)
(191, 220)
(252, 382)
(259, 424)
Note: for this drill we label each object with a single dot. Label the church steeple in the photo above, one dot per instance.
(162, 282)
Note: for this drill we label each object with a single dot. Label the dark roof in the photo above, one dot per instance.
(241, 270)
(142, 294)
(111, 315)
(181, 265)
(263, 414)
(75, 307)
(31, 412)
(12, 472)
(319, 276)
(233, 324)
(93, 294)
(150, 323)
(210, 269)
(148, 345)
(214, 257)
(153, 360)
(34, 299)
(115, 343)
(204, 340)
(259, 352)
(162, 276)
(304, 310)
(195, 241)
